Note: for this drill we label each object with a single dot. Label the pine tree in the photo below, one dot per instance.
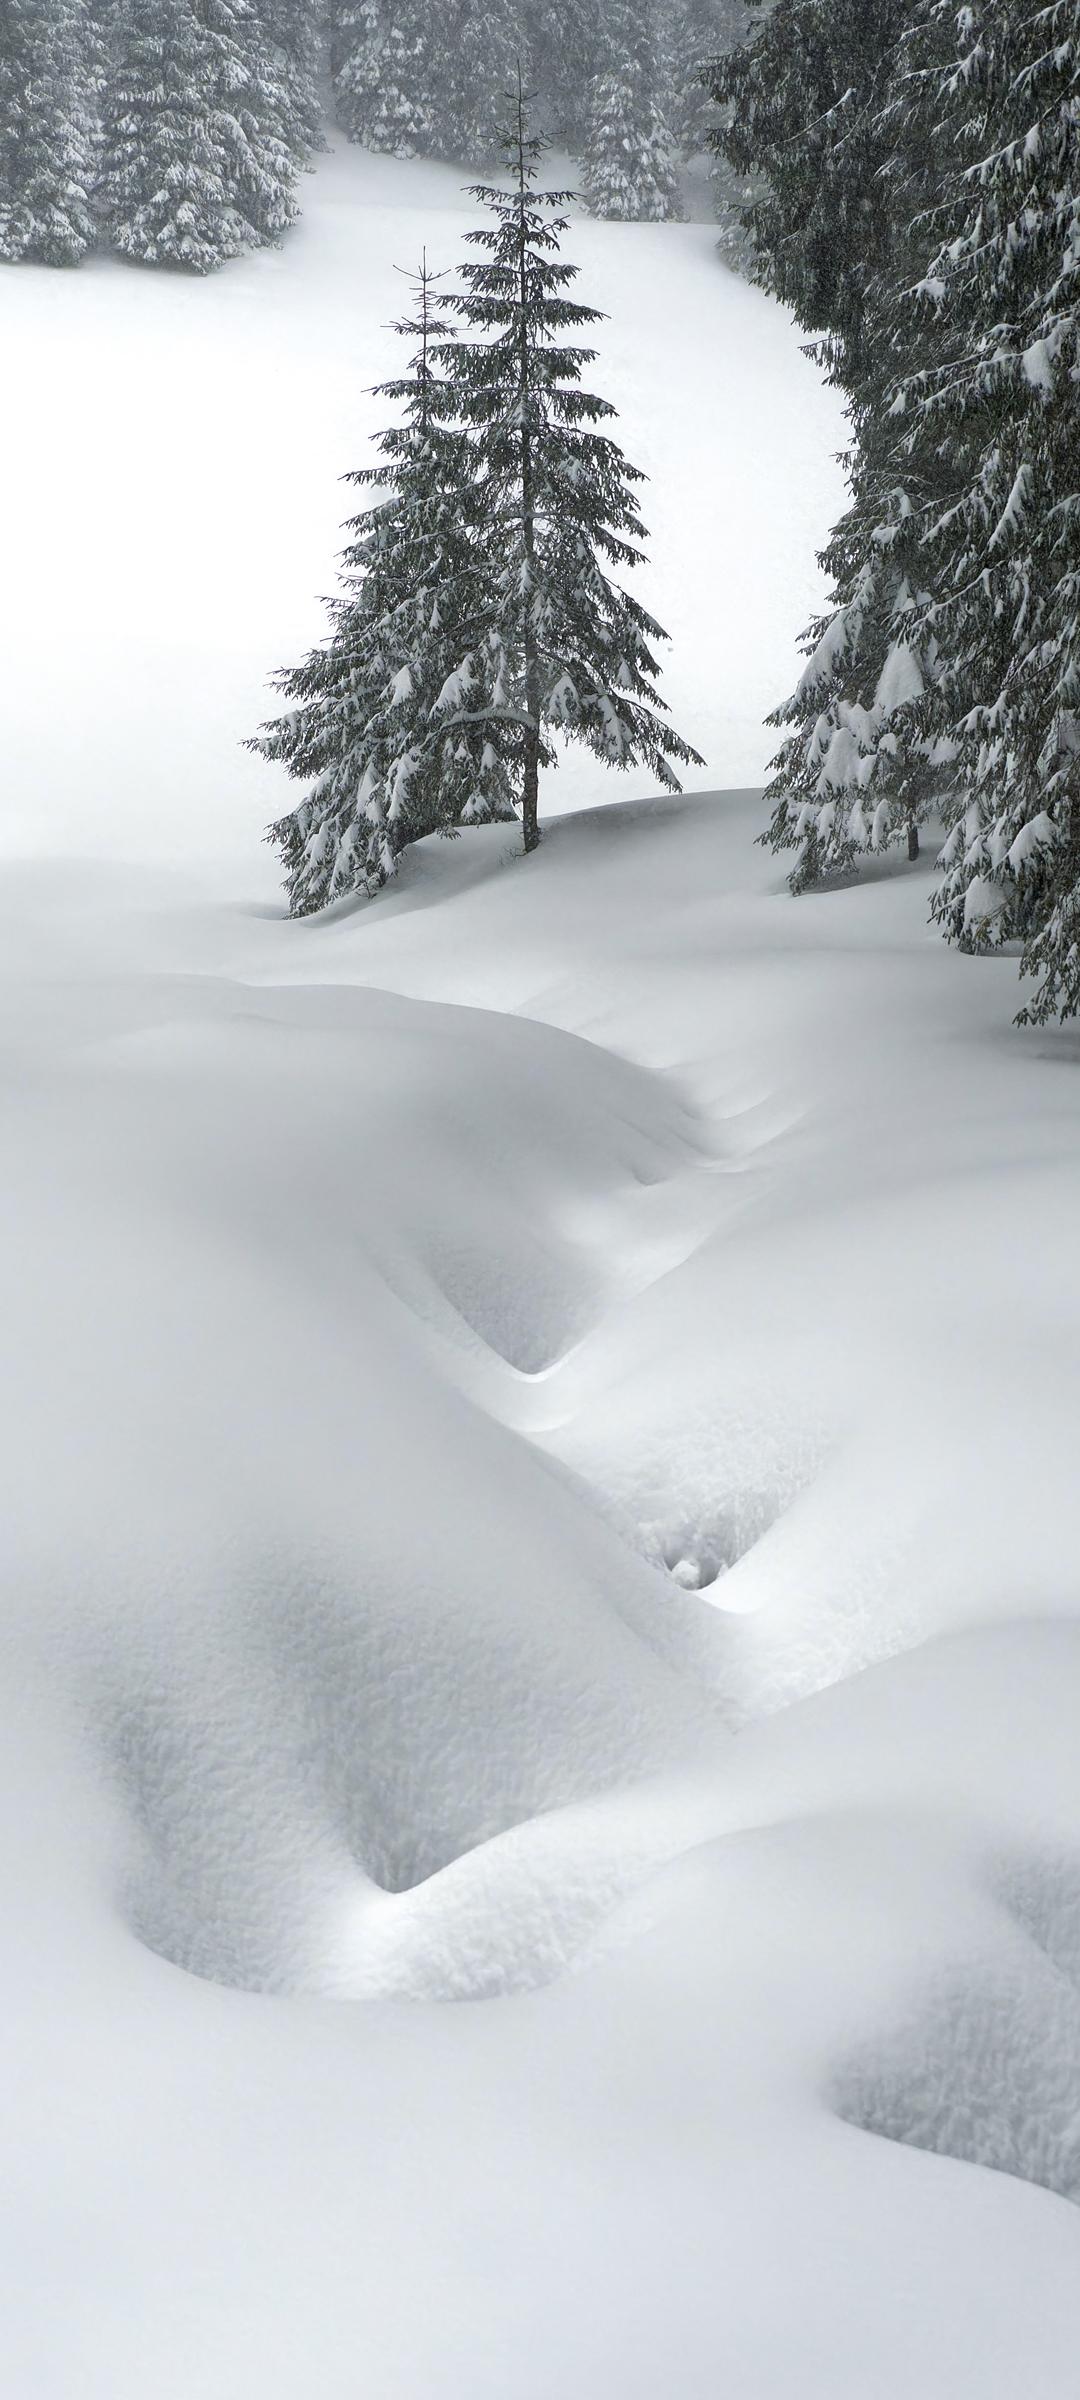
(196, 166)
(826, 108)
(802, 102)
(386, 721)
(477, 56)
(46, 132)
(385, 80)
(998, 407)
(700, 33)
(564, 46)
(569, 650)
(293, 32)
(861, 770)
(629, 160)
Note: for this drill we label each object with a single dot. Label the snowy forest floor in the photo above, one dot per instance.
(540, 1462)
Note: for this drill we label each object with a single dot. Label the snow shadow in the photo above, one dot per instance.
(988, 2072)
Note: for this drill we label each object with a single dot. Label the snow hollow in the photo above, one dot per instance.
(541, 1641)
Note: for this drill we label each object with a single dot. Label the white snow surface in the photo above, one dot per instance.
(541, 1629)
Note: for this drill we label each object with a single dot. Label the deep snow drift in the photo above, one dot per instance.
(538, 1428)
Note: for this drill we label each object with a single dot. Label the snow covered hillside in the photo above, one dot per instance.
(541, 1639)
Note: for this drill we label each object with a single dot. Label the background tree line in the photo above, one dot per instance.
(176, 131)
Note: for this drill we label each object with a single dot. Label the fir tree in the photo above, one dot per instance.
(386, 720)
(860, 770)
(293, 30)
(568, 650)
(565, 45)
(196, 164)
(802, 101)
(825, 108)
(385, 81)
(998, 406)
(46, 132)
(701, 32)
(477, 57)
(629, 167)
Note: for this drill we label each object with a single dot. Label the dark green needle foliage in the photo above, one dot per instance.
(386, 721)
(570, 650)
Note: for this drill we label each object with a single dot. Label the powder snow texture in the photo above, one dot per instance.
(476, 1371)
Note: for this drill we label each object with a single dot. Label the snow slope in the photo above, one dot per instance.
(538, 1426)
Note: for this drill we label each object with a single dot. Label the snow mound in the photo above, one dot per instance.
(462, 1358)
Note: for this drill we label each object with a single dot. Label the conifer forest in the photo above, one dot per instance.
(539, 1179)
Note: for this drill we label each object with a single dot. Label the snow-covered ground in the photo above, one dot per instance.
(539, 1452)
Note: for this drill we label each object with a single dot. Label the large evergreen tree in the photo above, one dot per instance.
(385, 81)
(571, 650)
(998, 406)
(699, 33)
(826, 109)
(565, 43)
(386, 720)
(478, 54)
(46, 131)
(293, 30)
(803, 100)
(629, 166)
(197, 164)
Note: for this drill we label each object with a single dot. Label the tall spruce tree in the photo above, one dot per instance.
(825, 108)
(699, 33)
(385, 78)
(565, 44)
(386, 721)
(802, 100)
(293, 30)
(569, 650)
(478, 52)
(46, 131)
(629, 164)
(997, 405)
(196, 164)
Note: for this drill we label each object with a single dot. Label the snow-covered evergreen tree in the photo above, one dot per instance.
(861, 769)
(998, 405)
(478, 53)
(385, 78)
(629, 165)
(565, 42)
(294, 32)
(46, 131)
(386, 720)
(802, 102)
(196, 164)
(826, 108)
(568, 650)
(699, 33)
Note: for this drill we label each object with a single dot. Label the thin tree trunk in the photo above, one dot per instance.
(912, 840)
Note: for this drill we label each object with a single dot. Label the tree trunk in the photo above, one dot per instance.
(912, 840)
(530, 796)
